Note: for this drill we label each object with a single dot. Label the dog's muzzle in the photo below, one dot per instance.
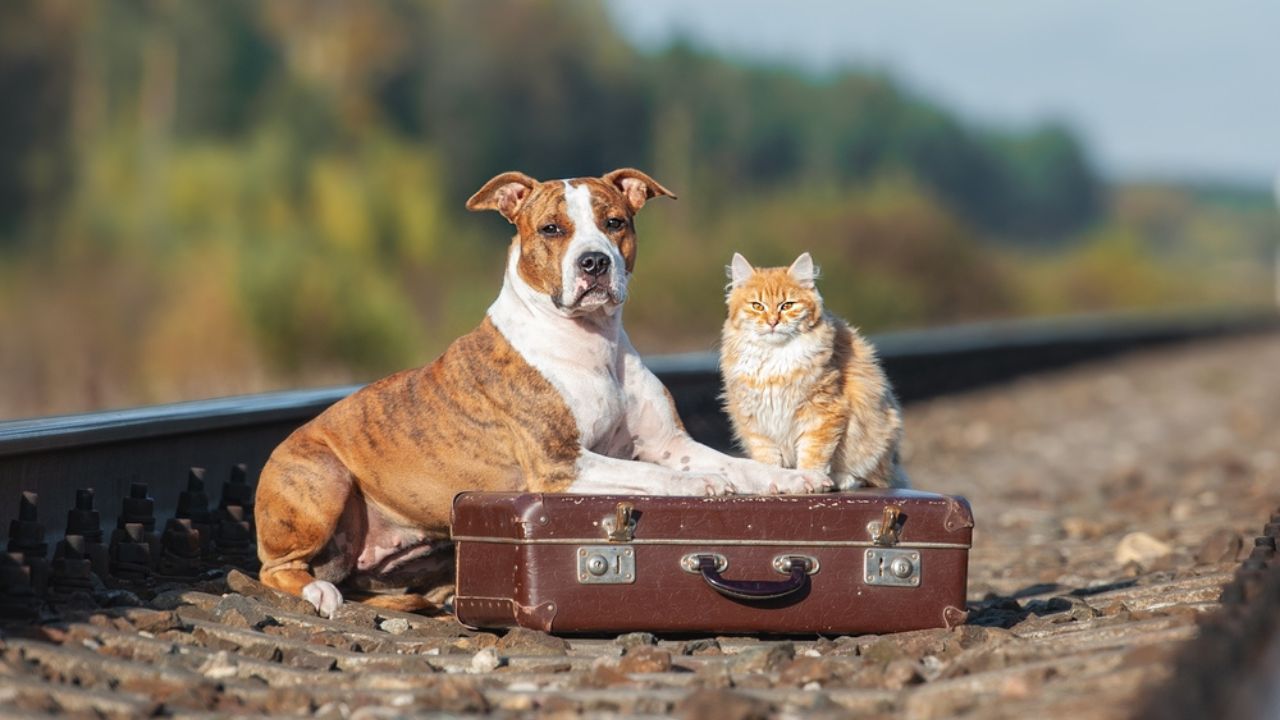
(597, 282)
(594, 263)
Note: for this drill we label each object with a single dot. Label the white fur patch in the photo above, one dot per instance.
(603, 475)
(761, 358)
(587, 237)
(773, 407)
(578, 356)
(324, 596)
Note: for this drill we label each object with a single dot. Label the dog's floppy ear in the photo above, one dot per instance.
(636, 187)
(504, 193)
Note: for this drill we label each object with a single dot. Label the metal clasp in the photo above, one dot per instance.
(782, 563)
(621, 526)
(606, 565)
(689, 563)
(885, 531)
(896, 567)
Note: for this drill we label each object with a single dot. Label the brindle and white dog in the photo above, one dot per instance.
(546, 395)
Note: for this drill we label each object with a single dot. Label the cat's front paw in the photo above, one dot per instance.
(800, 482)
(848, 481)
(761, 479)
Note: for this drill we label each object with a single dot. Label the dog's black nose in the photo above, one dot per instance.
(594, 263)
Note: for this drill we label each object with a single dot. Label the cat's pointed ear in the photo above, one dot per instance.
(803, 270)
(739, 270)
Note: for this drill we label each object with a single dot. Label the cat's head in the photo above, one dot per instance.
(773, 305)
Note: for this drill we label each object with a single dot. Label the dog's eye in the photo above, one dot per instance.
(786, 305)
(614, 223)
(758, 307)
(550, 229)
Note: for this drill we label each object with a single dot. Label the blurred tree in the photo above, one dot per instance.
(37, 55)
(201, 197)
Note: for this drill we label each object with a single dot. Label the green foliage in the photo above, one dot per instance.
(202, 198)
(547, 87)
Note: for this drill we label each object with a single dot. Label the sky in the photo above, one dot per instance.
(1157, 88)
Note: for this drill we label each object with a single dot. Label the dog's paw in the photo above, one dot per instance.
(712, 483)
(324, 596)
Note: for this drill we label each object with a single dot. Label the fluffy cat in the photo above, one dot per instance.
(802, 388)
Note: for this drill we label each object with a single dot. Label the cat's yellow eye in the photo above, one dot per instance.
(786, 305)
(758, 307)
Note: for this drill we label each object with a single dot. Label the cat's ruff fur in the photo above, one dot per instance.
(803, 389)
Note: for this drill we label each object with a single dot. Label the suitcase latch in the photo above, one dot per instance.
(620, 527)
(887, 529)
(606, 565)
(895, 567)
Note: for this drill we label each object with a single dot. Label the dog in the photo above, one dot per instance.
(546, 395)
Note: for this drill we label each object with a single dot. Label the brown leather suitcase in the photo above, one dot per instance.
(872, 561)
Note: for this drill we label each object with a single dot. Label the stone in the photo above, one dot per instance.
(635, 639)
(802, 671)
(154, 621)
(645, 659)
(220, 666)
(304, 660)
(549, 668)
(1078, 528)
(116, 598)
(883, 651)
(703, 646)
(1221, 546)
(764, 659)
(901, 673)
(395, 626)
(1141, 549)
(454, 694)
(241, 612)
(605, 673)
(174, 599)
(713, 676)
(968, 636)
(239, 582)
(721, 705)
(523, 641)
(486, 660)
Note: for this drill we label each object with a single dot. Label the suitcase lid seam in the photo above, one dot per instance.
(709, 541)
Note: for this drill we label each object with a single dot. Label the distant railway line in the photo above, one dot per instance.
(1058, 625)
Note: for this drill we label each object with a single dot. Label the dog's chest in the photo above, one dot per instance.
(597, 400)
(583, 368)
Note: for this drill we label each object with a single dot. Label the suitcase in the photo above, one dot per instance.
(874, 561)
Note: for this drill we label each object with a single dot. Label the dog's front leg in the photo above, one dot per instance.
(603, 475)
(659, 437)
(748, 476)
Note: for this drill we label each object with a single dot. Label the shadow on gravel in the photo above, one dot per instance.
(1005, 611)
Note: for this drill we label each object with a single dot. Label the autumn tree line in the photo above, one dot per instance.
(208, 198)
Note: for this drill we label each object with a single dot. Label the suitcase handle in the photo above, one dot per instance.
(754, 589)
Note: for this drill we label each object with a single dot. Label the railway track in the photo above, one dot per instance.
(1115, 502)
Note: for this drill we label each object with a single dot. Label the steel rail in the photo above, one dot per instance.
(156, 445)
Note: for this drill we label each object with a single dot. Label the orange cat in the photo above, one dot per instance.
(801, 387)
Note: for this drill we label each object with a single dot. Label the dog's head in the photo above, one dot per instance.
(576, 239)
